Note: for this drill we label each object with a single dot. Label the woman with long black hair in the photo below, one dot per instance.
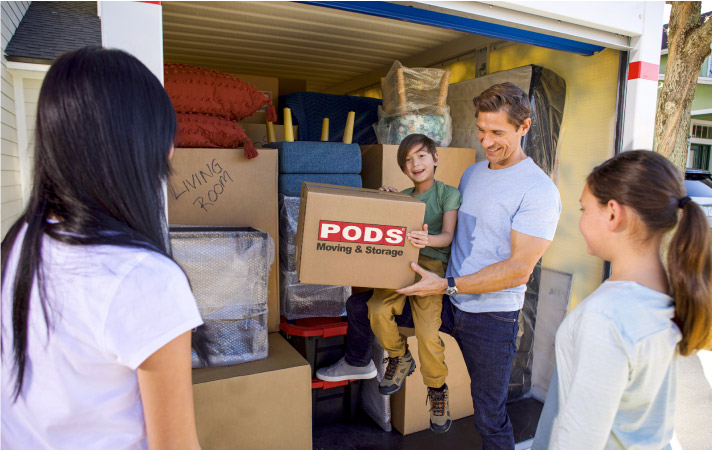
(96, 317)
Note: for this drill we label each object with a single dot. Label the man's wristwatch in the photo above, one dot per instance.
(451, 288)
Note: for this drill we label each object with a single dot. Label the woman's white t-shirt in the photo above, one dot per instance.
(110, 308)
(616, 373)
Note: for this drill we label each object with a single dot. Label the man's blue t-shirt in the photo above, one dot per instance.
(495, 202)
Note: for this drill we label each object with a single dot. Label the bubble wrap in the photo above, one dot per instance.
(377, 405)
(228, 269)
(300, 301)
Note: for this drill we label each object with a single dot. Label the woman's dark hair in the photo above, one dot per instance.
(651, 185)
(105, 127)
(507, 97)
(414, 140)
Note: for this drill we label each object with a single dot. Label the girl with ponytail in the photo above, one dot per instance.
(96, 317)
(616, 353)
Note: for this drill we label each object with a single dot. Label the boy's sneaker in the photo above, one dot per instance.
(439, 410)
(342, 371)
(398, 368)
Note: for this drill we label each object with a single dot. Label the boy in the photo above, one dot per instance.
(418, 158)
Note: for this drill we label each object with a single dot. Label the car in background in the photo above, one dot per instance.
(698, 184)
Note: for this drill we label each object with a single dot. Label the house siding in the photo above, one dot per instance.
(10, 176)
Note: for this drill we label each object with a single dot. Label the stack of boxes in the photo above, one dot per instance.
(302, 305)
(221, 187)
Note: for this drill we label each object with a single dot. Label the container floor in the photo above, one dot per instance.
(364, 434)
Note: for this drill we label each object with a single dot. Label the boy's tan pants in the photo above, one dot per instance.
(386, 303)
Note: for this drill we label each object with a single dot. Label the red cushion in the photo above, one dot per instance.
(202, 130)
(197, 90)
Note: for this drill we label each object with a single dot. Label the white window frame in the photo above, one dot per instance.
(694, 140)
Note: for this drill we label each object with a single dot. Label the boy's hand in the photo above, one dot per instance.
(388, 189)
(419, 238)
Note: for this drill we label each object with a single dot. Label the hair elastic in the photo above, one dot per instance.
(683, 201)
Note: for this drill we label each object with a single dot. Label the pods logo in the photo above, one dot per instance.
(359, 233)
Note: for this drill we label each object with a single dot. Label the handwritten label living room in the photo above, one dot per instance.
(213, 177)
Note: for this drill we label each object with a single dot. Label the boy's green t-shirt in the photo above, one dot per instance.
(438, 199)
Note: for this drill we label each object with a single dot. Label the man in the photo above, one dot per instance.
(507, 220)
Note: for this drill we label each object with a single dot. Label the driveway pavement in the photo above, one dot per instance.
(693, 418)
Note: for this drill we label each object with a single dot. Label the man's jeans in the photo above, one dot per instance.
(487, 341)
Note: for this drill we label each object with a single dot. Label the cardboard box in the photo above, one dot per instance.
(212, 186)
(356, 237)
(258, 132)
(291, 85)
(380, 166)
(409, 414)
(266, 85)
(263, 404)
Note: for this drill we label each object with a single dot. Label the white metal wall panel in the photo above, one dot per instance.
(608, 24)
(10, 176)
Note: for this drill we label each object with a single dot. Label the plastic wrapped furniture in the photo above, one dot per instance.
(547, 96)
(300, 301)
(309, 108)
(414, 101)
(228, 269)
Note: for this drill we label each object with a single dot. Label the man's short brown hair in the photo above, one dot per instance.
(507, 97)
(413, 140)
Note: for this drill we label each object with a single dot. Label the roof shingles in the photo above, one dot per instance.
(49, 29)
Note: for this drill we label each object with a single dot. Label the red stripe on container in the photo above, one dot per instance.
(643, 70)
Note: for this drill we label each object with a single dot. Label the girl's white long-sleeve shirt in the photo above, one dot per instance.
(615, 382)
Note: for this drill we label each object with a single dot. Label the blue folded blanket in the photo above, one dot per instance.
(291, 183)
(318, 157)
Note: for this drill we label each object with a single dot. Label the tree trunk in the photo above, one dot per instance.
(688, 46)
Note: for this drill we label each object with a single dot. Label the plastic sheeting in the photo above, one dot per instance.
(547, 95)
(228, 269)
(414, 102)
(300, 301)
(520, 379)
(377, 405)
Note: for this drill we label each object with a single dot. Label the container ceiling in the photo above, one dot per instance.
(326, 47)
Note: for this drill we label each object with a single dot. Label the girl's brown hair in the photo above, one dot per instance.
(651, 185)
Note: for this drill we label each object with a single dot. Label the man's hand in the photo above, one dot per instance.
(429, 284)
(419, 238)
(388, 189)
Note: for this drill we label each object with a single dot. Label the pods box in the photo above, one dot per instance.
(356, 237)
